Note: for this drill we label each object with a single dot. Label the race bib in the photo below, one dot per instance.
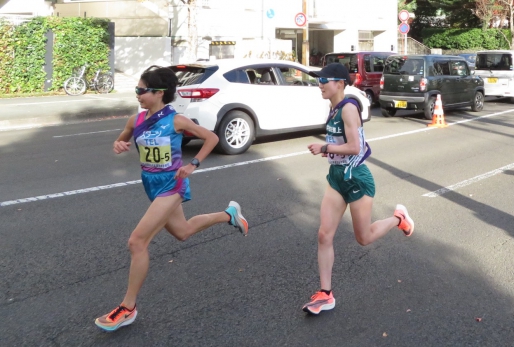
(337, 159)
(155, 152)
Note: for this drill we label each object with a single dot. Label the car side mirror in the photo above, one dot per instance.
(473, 72)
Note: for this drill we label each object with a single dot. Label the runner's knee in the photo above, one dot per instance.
(325, 236)
(136, 244)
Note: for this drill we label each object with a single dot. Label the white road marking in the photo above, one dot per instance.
(87, 190)
(467, 182)
(93, 132)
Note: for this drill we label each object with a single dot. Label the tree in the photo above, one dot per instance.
(486, 11)
(508, 10)
(192, 41)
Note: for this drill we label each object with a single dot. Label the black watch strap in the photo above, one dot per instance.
(195, 162)
(324, 149)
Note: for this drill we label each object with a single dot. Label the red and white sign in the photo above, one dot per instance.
(404, 15)
(300, 19)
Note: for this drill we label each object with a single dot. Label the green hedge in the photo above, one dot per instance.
(76, 41)
(466, 39)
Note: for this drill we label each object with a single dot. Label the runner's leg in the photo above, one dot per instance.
(365, 232)
(178, 226)
(332, 210)
(150, 225)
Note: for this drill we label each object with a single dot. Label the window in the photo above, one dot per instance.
(367, 63)
(494, 61)
(441, 68)
(459, 68)
(366, 40)
(348, 60)
(402, 66)
(378, 62)
(237, 76)
(294, 77)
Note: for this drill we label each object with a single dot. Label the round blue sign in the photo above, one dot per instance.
(404, 28)
(270, 13)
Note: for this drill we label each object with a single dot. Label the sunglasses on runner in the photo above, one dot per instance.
(141, 91)
(325, 80)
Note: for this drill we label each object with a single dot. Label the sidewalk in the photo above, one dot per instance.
(30, 112)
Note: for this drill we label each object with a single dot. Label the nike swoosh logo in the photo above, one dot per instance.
(318, 302)
(356, 191)
(337, 122)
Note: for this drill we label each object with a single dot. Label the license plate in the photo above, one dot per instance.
(400, 104)
(492, 80)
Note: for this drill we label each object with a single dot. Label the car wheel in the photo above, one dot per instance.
(236, 133)
(429, 108)
(388, 112)
(370, 96)
(478, 102)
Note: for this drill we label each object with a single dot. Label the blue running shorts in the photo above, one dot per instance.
(159, 184)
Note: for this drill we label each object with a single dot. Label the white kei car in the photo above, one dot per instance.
(242, 99)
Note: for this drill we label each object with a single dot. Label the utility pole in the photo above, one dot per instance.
(305, 42)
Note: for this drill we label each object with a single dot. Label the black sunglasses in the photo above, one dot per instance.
(141, 91)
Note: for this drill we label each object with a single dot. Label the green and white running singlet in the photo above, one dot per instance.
(348, 174)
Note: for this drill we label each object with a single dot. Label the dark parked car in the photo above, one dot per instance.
(470, 58)
(412, 82)
(365, 69)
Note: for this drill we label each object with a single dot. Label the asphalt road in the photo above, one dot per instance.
(68, 205)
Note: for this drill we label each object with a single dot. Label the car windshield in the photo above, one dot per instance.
(348, 60)
(494, 61)
(403, 66)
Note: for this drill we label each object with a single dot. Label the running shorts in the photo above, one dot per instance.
(361, 182)
(159, 184)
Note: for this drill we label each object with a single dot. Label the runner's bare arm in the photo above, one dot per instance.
(121, 144)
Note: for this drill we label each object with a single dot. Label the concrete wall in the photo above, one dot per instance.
(134, 54)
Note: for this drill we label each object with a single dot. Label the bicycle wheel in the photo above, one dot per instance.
(104, 84)
(75, 86)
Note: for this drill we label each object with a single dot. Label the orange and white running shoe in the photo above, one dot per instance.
(320, 301)
(236, 218)
(406, 223)
(117, 318)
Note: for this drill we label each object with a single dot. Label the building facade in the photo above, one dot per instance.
(171, 29)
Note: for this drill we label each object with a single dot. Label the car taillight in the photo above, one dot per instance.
(198, 94)
(358, 79)
(382, 82)
(423, 84)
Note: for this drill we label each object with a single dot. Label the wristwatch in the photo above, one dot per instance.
(324, 149)
(195, 162)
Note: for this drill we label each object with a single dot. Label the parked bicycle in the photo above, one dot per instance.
(102, 82)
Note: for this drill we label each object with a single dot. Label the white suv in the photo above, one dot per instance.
(243, 99)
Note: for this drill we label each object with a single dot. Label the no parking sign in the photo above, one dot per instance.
(300, 19)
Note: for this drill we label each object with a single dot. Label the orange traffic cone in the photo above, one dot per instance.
(438, 118)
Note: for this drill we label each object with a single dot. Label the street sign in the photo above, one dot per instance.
(404, 15)
(300, 19)
(404, 28)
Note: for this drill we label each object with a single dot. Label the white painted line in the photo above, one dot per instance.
(122, 184)
(467, 182)
(71, 192)
(93, 132)
(87, 190)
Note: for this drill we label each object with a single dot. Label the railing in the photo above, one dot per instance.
(413, 46)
